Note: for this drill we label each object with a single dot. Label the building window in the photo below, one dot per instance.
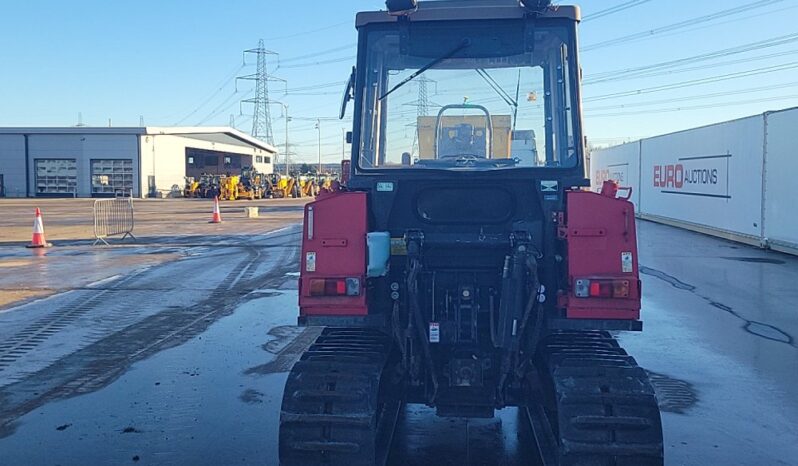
(200, 161)
(267, 159)
(56, 177)
(111, 176)
(195, 158)
(259, 159)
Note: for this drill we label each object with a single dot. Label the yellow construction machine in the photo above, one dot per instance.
(192, 187)
(308, 186)
(228, 188)
(284, 187)
(253, 184)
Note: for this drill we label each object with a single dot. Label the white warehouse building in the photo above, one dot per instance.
(104, 162)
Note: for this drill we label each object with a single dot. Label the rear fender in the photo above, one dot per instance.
(601, 245)
(334, 247)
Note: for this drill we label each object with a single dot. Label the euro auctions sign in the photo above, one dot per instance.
(617, 172)
(702, 176)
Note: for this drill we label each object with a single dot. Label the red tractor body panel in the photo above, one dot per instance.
(602, 246)
(334, 249)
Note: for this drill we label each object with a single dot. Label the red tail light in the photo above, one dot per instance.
(335, 287)
(599, 291)
(601, 288)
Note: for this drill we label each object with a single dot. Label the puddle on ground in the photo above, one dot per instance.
(191, 404)
(767, 331)
(251, 396)
(756, 260)
(674, 282)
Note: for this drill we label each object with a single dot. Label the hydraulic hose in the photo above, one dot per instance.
(421, 324)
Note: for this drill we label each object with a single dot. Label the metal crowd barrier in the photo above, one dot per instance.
(113, 217)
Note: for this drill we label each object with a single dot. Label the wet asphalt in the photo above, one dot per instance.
(182, 360)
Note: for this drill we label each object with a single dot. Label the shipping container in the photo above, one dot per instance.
(619, 163)
(781, 169)
(707, 179)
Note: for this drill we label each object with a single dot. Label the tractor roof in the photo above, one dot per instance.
(468, 9)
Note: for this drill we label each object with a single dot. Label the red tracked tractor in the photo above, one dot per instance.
(454, 270)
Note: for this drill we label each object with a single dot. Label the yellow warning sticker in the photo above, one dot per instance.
(398, 247)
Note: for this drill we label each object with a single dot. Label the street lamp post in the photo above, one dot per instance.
(343, 144)
(287, 119)
(318, 127)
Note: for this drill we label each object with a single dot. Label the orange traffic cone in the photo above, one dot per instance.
(217, 216)
(38, 233)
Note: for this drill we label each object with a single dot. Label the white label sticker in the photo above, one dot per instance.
(310, 262)
(434, 332)
(626, 262)
(549, 186)
(385, 186)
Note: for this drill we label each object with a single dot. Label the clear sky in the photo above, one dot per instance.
(174, 62)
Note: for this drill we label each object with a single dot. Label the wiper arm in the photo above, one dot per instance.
(513, 103)
(496, 87)
(465, 43)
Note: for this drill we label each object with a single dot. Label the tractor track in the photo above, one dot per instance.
(103, 361)
(600, 409)
(333, 410)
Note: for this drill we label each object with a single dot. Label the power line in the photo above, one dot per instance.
(747, 17)
(703, 67)
(322, 62)
(312, 118)
(315, 140)
(696, 82)
(315, 93)
(219, 89)
(752, 46)
(310, 31)
(317, 54)
(691, 98)
(696, 107)
(312, 87)
(680, 25)
(613, 10)
(219, 108)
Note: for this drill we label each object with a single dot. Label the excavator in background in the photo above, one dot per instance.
(192, 188)
(211, 186)
(284, 187)
(253, 184)
(207, 186)
(313, 184)
(308, 186)
(469, 280)
(228, 187)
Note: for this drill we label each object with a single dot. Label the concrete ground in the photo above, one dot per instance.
(69, 225)
(174, 350)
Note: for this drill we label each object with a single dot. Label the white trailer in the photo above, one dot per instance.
(732, 179)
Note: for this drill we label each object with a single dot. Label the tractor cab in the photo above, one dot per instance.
(454, 83)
